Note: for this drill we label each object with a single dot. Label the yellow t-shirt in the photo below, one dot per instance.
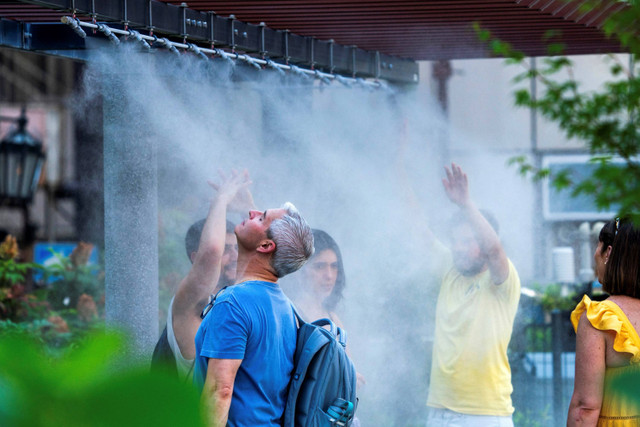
(470, 371)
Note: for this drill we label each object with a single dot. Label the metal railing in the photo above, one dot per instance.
(542, 357)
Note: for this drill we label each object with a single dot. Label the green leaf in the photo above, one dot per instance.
(561, 180)
(549, 34)
(556, 49)
(82, 388)
(523, 97)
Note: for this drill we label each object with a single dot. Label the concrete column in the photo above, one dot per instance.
(130, 218)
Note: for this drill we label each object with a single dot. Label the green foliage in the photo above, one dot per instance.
(12, 272)
(528, 418)
(15, 302)
(44, 331)
(69, 279)
(88, 385)
(538, 339)
(41, 311)
(552, 299)
(607, 120)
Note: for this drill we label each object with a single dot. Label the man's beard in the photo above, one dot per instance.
(477, 266)
(227, 278)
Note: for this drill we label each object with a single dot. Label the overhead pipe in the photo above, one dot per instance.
(75, 24)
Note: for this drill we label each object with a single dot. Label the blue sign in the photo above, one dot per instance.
(43, 255)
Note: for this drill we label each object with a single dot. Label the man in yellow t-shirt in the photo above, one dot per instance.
(479, 294)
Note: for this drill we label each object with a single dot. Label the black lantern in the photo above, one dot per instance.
(21, 160)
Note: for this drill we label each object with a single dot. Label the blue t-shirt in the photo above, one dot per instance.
(252, 321)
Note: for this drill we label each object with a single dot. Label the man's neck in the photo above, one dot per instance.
(260, 277)
(254, 268)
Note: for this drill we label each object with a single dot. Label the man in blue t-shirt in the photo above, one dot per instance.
(245, 344)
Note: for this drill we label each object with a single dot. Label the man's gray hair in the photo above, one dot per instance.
(294, 241)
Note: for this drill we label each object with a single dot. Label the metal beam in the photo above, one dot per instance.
(180, 22)
(11, 33)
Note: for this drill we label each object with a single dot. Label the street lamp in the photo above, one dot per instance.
(21, 159)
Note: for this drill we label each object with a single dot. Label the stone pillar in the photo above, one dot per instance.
(130, 218)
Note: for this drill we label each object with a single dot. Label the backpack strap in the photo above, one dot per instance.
(298, 317)
(326, 322)
(335, 330)
(341, 336)
(212, 300)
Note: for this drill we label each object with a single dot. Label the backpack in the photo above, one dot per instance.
(163, 358)
(322, 391)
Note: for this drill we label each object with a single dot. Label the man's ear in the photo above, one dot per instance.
(267, 246)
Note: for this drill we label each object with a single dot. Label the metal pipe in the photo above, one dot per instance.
(246, 58)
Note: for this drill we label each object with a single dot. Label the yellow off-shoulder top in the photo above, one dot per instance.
(621, 397)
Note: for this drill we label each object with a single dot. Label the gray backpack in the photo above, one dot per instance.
(322, 391)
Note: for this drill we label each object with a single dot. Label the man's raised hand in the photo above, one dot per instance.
(456, 185)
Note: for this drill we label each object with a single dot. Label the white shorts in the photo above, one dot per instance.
(440, 417)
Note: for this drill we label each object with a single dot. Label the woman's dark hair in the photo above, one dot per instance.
(622, 275)
(607, 233)
(323, 241)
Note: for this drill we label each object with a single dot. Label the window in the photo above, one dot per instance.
(559, 205)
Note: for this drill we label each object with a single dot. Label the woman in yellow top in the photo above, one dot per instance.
(607, 390)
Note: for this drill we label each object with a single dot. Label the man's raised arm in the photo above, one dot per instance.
(456, 185)
(202, 279)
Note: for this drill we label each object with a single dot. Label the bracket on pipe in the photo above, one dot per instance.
(212, 28)
(75, 25)
(195, 49)
(107, 32)
(274, 66)
(138, 37)
(169, 45)
(249, 60)
(183, 23)
(323, 78)
(286, 46)
(343, 81)
(233, 32)
(263, 50)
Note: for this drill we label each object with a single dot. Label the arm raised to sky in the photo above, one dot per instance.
(202, 279)
(456, 186)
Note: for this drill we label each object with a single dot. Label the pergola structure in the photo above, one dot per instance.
(371, 39)
(363, 38)
(432, 29)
